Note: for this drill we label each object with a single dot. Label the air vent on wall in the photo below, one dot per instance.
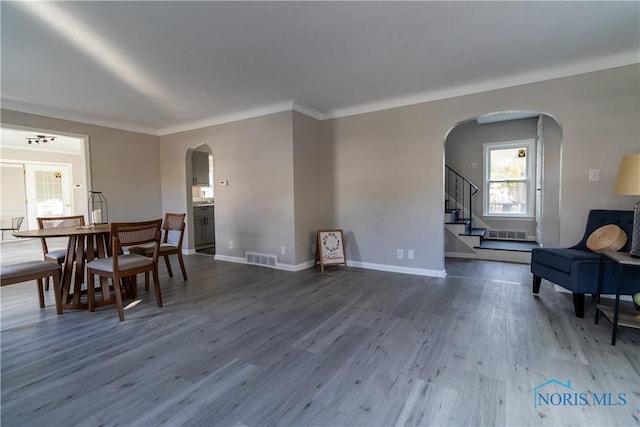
(261, 259)
(508, 234)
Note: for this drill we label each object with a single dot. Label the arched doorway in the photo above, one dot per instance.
(201, 199)
(467, 145)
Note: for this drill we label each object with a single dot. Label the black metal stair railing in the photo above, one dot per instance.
(459, 194)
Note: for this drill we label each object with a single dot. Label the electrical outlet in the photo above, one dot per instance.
(230, 244)
(400, 253)
(410, 253)
(283, 250)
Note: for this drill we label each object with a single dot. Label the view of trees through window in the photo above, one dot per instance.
(508, 179)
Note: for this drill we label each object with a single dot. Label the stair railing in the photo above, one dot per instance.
(459, 192)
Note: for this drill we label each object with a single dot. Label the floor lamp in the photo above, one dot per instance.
(628, 183)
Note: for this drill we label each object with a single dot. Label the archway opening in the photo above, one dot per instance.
(509, 162)
(201, 199)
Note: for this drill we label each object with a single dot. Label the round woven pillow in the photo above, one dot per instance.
(607, 238)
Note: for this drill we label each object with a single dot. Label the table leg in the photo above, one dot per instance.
(67, 271)
(599, 288)
(102, 243)
(617, 306)
(98, 247)
(79, 273)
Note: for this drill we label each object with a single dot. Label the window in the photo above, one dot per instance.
(509, 170)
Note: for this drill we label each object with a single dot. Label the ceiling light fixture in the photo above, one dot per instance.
(41, 139)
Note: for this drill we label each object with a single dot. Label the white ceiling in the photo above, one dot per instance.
(161, 67)
(17, 138)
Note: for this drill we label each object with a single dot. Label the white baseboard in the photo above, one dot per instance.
(279, 266)
(358, 264)
(397, 269)
(298, 267)
(237, 260)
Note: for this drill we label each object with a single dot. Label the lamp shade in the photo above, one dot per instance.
(628, 181)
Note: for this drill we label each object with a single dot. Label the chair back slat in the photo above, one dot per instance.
(136, 233)
(173, 230)
(63, 221)
(173, 221)
(173, 225)
(58, 221)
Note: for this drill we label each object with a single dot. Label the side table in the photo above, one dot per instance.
(615, 315)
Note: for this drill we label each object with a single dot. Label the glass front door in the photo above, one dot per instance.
(48, 191)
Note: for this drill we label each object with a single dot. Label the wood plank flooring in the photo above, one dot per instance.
(242, 345)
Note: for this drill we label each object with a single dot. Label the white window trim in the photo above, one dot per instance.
(530, 145)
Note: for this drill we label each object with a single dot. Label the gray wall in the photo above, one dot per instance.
(552, 168)
(125, 166)
(256, 210)
(313, 184)
(388, 187)
(389, 164)
(387, 168)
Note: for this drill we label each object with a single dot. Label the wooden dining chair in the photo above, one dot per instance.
(57, 256)
(173, 233)
(120, 266)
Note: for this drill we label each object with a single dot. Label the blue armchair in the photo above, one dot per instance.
(576, 268)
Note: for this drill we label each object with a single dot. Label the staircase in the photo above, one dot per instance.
(462, 240)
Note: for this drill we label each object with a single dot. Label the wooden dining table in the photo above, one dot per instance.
(85, 243)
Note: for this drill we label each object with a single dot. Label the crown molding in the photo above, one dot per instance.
(227, 118)
(244, 115)
(27, 108)
(308, 111)
(576, 68)
(567, 70)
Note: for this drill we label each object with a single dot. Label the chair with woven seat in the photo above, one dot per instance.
(34, 270)
(121, 266)
(173, 226)
(57, 256)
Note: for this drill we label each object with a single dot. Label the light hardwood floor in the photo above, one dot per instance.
(245, 345)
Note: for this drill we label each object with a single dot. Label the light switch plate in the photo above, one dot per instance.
(594, 174)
